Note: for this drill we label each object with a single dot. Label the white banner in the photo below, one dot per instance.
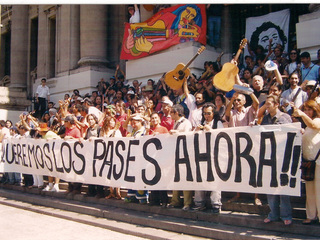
(273, 26)
(259, 159)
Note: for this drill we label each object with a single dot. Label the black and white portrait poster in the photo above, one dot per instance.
(275, 26)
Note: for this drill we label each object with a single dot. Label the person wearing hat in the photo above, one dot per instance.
(309, 71)
(310, 88)
(136, 129)
(166, 119)
(45, 133)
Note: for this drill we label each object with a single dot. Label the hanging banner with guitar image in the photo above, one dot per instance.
(166, 28)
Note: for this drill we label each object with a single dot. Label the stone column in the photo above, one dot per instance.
(93, 35)
(42, 42)
(19, 46)
(226, 28)
(69, 37)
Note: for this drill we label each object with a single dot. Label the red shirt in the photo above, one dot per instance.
(167, 122)
(73, 132)
(121, 119)
(158, 129)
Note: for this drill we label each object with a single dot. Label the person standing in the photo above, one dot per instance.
(310, 115)
(136, 130)
(294, 96)
(72, 132)
(210, 120)
(42, 97)
(157, 197)
(181, 125)
(309, 71)
(45, 133)
(280, 205)
(134, 14)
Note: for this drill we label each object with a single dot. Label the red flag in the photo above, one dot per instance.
(166, 28)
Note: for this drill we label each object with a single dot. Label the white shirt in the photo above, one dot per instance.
(135, 18)
(182, 125)
(43, 92)
(288, 95)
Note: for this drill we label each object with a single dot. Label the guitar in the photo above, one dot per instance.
(175, 78)
(225, 79)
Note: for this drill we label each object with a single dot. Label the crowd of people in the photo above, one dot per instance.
(285, 89)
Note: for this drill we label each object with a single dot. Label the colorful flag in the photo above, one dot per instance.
(166, 28)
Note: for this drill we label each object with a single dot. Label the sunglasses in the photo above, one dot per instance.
(293, 53)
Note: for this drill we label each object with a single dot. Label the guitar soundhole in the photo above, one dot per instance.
(181, 74)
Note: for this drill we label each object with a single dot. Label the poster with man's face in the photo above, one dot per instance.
(271, 29)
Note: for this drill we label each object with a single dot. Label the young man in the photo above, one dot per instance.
(279, 204)
(42, 96)
(309, 70)
(294, 96)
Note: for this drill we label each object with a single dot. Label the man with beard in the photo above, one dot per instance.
(294, 96)
(196, 110)
(194, 105)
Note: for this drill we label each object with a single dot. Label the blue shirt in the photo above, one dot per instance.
(310, 73)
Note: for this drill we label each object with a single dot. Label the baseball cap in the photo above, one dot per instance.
(130, 92)
(305, 54)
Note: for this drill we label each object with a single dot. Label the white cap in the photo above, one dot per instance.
(270, 65)
(137, 117)
(130, 92)
(169, 102)
(311, 83)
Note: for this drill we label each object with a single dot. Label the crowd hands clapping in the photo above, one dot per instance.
(285, 89)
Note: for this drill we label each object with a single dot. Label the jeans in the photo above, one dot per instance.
(214, 26)
(200, 198)
(280, 207)
(14, 177)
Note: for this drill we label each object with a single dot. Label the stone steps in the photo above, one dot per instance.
(229, 224)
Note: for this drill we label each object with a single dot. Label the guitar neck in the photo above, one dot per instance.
(188, 64)
(237, 55)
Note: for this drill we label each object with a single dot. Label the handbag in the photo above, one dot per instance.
(308, 168)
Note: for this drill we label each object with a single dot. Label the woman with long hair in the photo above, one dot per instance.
(110, 128)
(294, 63)
(310, 115)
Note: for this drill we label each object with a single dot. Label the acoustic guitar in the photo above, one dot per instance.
(175, 78)
(225, 79)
